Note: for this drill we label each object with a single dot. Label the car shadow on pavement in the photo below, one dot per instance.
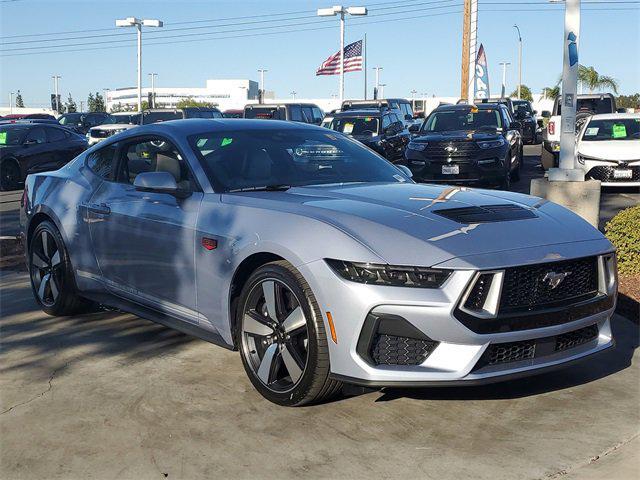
(625, 332)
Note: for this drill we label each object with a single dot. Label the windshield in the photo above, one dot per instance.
(590, 105)
(262, 112)
(356, 125)
(613, 129)
(71, 119)
(154, 117)
(449, 120)
(12, 135)
(522, 108)
(259, 158)
(132, 119)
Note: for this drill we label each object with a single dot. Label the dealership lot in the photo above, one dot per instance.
(110, 395)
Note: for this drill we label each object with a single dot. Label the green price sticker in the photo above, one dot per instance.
(619, 130)
(3, 138)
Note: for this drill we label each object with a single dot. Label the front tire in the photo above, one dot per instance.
(281, 337)
(51, 273)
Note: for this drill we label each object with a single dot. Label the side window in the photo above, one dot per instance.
(386, 121)
(55, 134)
(153, 154)
(308, 114)
(317, 114)
(102, 161)
(296, 113)
(36, 135)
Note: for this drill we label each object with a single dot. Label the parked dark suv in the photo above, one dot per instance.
(82, 122)
(526, 115)
(401, 106)
(294, 112)
(380, 130)
(163, 114)
(467, 144)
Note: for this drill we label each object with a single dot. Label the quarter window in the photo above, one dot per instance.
(55, 135)
(296, 113)
(101, 162)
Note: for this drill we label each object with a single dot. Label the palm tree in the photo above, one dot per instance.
(593, 80)
(551, 92)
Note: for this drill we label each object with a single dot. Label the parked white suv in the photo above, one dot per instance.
(609, 149)
(121, 121)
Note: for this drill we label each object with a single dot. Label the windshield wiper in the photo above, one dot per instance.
(280, 187)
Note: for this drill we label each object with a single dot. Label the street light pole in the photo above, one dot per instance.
(55, 91)
(377, 69)
(135, 22)
(382, 85)
(504, 77)
(519, 62)
(153, 89)
(11, 102)
(293, 94)
(261, 93)
(340, 10)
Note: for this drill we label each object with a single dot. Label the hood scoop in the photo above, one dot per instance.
(486, 213)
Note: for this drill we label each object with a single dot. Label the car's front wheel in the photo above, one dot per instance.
(282, 339)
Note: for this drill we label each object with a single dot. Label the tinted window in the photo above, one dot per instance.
(308, 114)
(317, 114)
(297, 157)
(55, 135)
(386, 121)
(153, 154)
(448, 120)
(102, 161)
(154, 117)
(295, 113)
(356, 125)
(12, 135)
(36, 135)
(261, 112)
(70, 119)
(590, 105)
(612, 129)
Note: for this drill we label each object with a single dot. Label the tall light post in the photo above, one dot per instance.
(56, 78)
(261, 88)
(519, 62)
(382, 85)
(377, 90)
(504, 66)
(11, 94)
(293, 94)
(106, 97)
(135, 22)
(340, 10)
(153, 89)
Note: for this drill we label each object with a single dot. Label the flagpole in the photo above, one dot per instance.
(341, 56)
(365, 66)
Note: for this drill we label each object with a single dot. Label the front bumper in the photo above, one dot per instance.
(457, 355)
(487, 169)
(606, 172)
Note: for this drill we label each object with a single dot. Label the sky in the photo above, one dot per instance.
(417, 42)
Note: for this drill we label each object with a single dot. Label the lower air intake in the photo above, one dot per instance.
(511, 352)
(393, 350)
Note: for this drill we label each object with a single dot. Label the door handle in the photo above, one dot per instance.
(101, 209)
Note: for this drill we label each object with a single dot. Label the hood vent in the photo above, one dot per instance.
(486, 213)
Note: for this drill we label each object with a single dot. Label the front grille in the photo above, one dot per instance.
(576, 338)
(528, 287)
(100, 133)
(499, 353)
(511, 352)
(486, 213)
(394, 350)
(450, 149)
(605, 174)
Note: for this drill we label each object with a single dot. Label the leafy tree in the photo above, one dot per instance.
(117, 108)
(551, 92)
(145, 105)
(19, 101)
(98, 103)
(190, 102)
(91, 102)
(525, 93)
(70, 105)
(628, 101)
(589, 77)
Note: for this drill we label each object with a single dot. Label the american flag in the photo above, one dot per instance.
(352, 60)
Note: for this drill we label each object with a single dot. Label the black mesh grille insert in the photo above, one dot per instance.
(605, 174)
(531, 286)
(486, 214)
(393, 350)
(511, 352)
(575, 338)
(451, 149)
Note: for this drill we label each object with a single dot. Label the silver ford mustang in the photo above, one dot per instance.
(320, 261)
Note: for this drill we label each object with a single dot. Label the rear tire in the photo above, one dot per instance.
(10, 176)
(281, 337)
(51, 274)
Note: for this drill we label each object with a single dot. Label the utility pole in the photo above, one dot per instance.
(261, 89)
(365, 66)
(81, 105)
(153, 89)
(377, 87)
(466, 28)
(293, 94)
(11, 102)
(519, 62)
(504, 77)
(382, 85)
(55, 91)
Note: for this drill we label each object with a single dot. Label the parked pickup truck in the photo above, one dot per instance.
(587, 105)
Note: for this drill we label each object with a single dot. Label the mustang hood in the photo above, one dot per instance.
(412, 224)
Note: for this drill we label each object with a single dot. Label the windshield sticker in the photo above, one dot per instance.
(321, 151)
(201, 142)
(3, 138)
(226, 141)
(348, 128)
(619, 130)
(591, 132)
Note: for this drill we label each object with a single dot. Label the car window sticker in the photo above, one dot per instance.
(348, 128)
(3, 138)
(619, 130)
(591, 132)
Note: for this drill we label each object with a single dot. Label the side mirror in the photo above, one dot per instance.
(515, 126)
(404, 169)
(414, 128)
(158, 182)
(546, 114)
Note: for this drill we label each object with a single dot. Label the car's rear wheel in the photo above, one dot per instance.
(282, 339)
(10, 176)
(51, 274)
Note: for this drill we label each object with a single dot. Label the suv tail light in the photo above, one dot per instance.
(552, 128)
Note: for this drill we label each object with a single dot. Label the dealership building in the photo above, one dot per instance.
(225, 94)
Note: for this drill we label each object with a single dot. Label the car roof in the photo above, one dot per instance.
(466, 106)
(362, 112)
(615, 116)
(277, 105)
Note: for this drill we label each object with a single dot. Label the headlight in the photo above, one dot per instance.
(492, 143)
(418, 147)
(390, 275)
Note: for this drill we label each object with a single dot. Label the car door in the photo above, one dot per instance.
(38, 154)
(144, 241)
(61, 147)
